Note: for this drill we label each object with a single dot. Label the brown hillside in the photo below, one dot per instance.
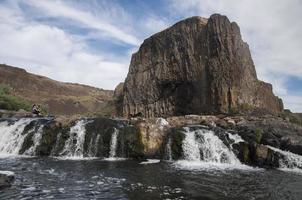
(57, 97)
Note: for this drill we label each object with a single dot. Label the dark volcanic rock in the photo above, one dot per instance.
(196, 66)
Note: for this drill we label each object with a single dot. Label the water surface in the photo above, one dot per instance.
(51, 178)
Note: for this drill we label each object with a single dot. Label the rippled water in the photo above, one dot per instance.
(46, 178)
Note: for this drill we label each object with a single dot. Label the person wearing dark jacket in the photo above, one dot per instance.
(35, 110)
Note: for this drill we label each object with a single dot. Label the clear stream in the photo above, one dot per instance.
(52, 178)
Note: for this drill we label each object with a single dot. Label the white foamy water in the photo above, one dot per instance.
(8, 173)
(191, 146)
(235, 137)
(36, 142)
(113, 143)
(77, 133)
(53, 151)
(290, 161)
(203, 149)
(11, 137)
(93, 146)
(204, 145)
(209, 166)
(150, 161)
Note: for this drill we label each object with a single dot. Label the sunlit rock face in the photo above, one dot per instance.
(196, 66)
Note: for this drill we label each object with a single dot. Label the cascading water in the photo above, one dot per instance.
(113, 143)
(36, 141)
(203, 149)
(190, 146)
(12, 137)
(235, 137)
(74, 145)
(93, 146)
(211, 148)
(289, 161)
(56, 146)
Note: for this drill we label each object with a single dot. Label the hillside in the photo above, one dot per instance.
(57, 97)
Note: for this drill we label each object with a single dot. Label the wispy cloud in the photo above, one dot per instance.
(60, 9)
(50, 51)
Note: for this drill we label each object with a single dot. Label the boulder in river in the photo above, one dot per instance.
(6, 178)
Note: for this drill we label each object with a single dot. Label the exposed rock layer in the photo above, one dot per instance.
(196, 66)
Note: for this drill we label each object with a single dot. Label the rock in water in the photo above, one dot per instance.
(6, 178)
(196, 66)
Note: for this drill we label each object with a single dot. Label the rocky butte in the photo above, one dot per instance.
(197, 66)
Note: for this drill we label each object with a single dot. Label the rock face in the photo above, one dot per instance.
(196, 66)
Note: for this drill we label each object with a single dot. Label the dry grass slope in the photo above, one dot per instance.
(56, 97)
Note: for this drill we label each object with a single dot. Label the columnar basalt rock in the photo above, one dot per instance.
(196, 66)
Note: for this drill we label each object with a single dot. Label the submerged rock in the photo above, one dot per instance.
(6, 178)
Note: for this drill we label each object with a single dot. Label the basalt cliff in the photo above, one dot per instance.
(197, 66)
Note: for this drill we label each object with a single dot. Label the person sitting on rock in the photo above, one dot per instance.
(35, 110)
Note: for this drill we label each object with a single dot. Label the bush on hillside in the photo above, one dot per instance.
(11, 102)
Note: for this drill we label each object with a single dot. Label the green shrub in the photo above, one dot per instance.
(10, 102)
(245, 107)
(5, 89)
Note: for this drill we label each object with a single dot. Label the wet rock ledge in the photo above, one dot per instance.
(144, 138)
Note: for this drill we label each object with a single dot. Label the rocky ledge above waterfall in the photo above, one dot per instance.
(257, 141)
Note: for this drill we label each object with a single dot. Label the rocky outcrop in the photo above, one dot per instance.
(118, 99)
(196, 66)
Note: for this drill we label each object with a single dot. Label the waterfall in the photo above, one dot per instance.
(56, 146)
(168, 150)
(74, 145)
(93, 146)
(203, 149)
(289, 161)
(190, 146)
(36, 141)
(113, 143)
(12, 136)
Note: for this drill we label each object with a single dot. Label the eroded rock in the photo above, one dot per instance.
(196, 66)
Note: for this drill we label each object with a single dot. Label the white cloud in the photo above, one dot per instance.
(294, 102)
(31, 42)
(50, 51)
(60, 9)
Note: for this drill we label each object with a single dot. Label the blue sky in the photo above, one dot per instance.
(91, 41)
